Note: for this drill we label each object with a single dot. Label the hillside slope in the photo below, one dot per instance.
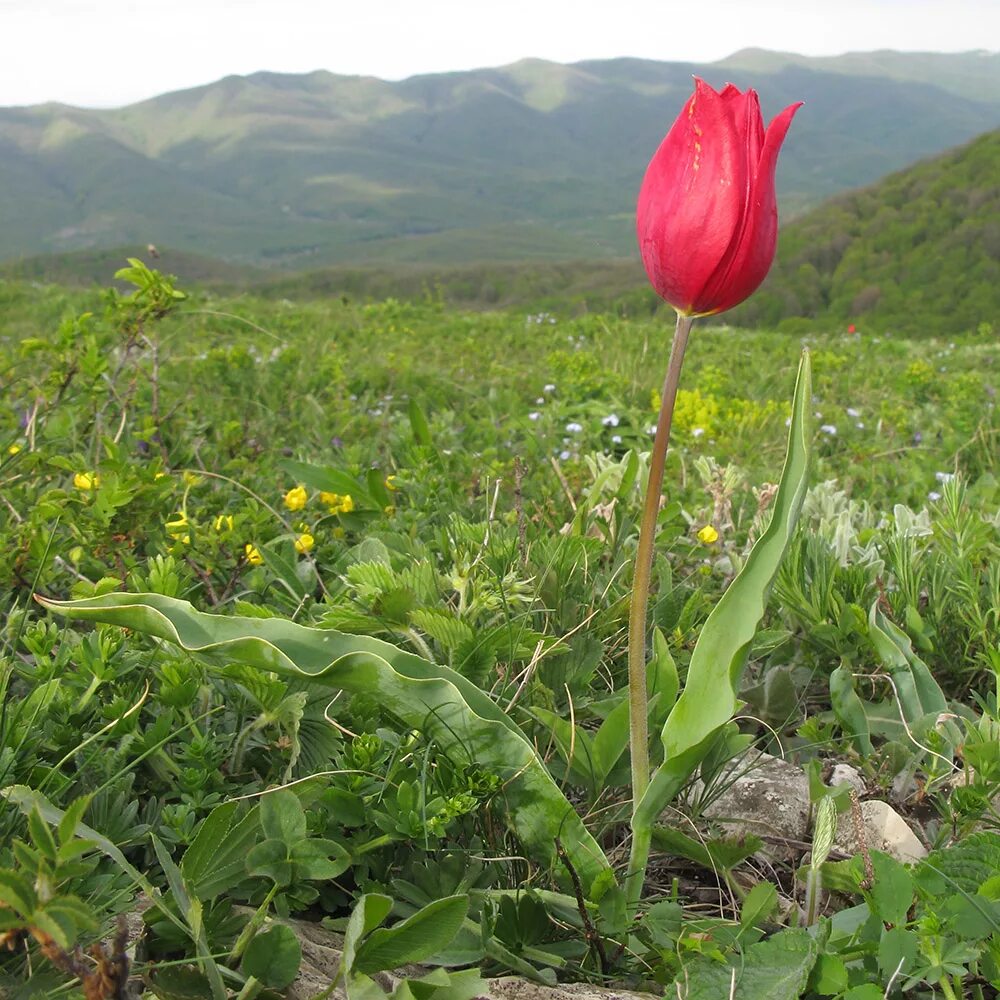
(919, 251)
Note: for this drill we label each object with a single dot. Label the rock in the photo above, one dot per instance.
(844, 774)
(765, 796)
(885, 830)
(515, 988)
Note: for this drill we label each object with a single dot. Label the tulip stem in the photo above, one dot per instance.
(638, 711)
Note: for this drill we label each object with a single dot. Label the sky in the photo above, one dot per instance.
(106, 53)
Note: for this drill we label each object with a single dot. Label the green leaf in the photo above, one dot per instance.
(319, 859)
(918, 692)
(891, 894)
(447, 707)
(661, 676)
(710, 696)
(777, 969)
(419, 426)
(867, 991)
(273, 957)
(610, 741)
(897, 952)
(271, 860)
(715, 854)
(850, 710)
(282, 817)
(41, 835)
(761, 901)
(73, 815)
(369, 911)
(216, 860)
(829, 976)
(17, 893)
(418, 937)
(964, 866)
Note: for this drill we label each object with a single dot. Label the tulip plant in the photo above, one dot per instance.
(707, 225)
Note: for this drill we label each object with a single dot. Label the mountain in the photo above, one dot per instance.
(917, 252)
(535, 160)
(975, 75)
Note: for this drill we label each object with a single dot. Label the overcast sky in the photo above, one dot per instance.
(105, 53)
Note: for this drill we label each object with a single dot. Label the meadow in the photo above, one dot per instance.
(466, 486)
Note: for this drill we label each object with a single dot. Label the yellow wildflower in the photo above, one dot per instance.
(224, 522)
(296, 498)
(330, 499)
(159, 475)
(708, 535)
(346, 504)
(191, 478)
(253, 554)
(86, 480)
(390, 484)
(304, 543)
(178, 526)
(13, 449)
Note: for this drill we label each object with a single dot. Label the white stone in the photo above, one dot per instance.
(885, 830)
(844, 774)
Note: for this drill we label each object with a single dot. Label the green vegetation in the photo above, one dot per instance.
(357, 581)
(919, 251)
(535, 160)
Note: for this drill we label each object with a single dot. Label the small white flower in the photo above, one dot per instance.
(697, 432)
(944, 477)
(852, 412)
(564, 456)
(651, 430)
(549, 387)
(818, 415)
(933, 495)
(540, 401)
(573, 427)
(616, 439)
(611, 420)
(534, 415)
(860, 425)
(828, 429)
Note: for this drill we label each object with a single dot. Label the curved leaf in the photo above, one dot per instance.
(709, 698)
(441, 703)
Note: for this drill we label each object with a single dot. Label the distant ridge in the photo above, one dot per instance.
(532, 161)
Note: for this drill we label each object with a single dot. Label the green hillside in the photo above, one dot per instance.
(535, 160)
(919, 251)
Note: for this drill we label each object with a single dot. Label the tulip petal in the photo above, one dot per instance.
(692, 196)
(752, 252)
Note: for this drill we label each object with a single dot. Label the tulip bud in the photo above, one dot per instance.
(707, 218)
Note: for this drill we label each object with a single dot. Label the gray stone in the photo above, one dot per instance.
(765, 796)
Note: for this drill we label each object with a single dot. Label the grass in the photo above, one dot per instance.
(205, 448)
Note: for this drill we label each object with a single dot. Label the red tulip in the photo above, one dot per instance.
(707, 218)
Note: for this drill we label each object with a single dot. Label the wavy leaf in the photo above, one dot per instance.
(441, 703)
